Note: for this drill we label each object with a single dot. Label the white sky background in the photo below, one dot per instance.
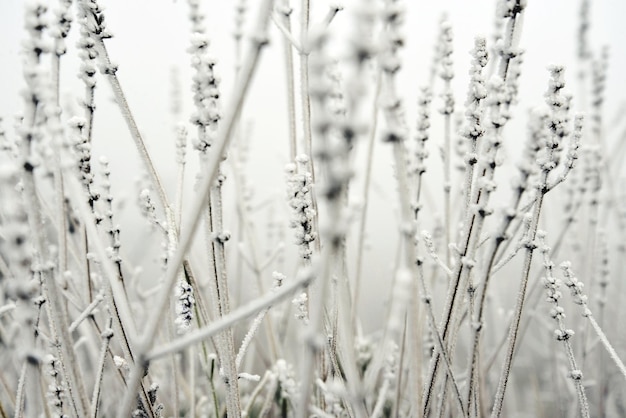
(151, 37)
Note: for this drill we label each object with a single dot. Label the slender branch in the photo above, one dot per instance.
(106, 339)
(288, 35)
(85, 313)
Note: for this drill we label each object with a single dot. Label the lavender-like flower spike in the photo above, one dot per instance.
(558, 103)
(184, 306)
(240, 13)
(557, 123)
(393, 17)
(56, 391)
(422, 131)
(513, 76)
(61, 26)
(15, 244)
(583, 30)
(37, 87)
(93, 19)
(446, 38)
(603, 269)
(88, 55)
(299, 189)
(446, 72)
(82, 147)
(181, 144)
(512, 11)
(477, 87)
(474, 130)
(148, 210)
(205, 86)
(205, 91)
(362, 45)
(196, 16)
(113, 230)
(301, 302)
(599, 70)
(285, 375)
(390, 62)
(537, 120)
(423, 115)
(432, 251)
(572, 152)
(35, 24)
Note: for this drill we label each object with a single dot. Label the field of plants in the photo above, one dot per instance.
(287, 208)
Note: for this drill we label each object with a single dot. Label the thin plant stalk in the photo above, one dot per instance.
(95, 398)
(289, 81)
(223, 299)
(371, 141)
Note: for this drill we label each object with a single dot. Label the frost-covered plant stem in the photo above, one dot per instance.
(95, 398)
(485, 274)
(19, 394)
(305, 100)
(228, 354)
(427, 299)
(210, 171)
(514, 327)
(313, 346)
(285, 12)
